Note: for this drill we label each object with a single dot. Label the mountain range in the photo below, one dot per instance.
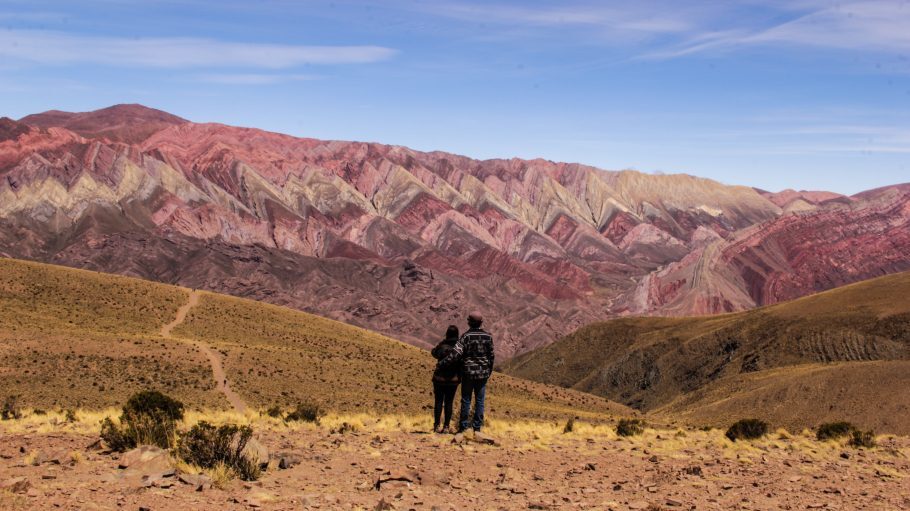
(405, 242)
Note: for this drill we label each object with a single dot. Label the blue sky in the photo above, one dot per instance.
(803, 94)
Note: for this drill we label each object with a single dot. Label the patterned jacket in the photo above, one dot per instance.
(475, 351)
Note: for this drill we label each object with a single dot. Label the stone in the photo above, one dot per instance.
(286, 461)
(15, 485)
(199, 482)
(482, 438)
(383, 505)
(256, 452)
(141, 454)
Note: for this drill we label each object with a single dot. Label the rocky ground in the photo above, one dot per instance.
(399, 465)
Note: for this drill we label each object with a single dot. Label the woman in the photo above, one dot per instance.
(445, 381)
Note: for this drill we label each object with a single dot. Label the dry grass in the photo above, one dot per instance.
(797, 364)
(80, 339)
(279, 356)
(520, 435)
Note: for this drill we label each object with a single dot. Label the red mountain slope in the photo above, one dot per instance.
(406, 242)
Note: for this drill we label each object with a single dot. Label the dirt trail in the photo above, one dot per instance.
(221, 381)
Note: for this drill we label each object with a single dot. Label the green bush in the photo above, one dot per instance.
(630, 427)
(154, 402)
(747, 429)
(274, 412)
(862, 439)
(11, 409)
(207, 446)
(305, 412)
(148, 418)
(833, 430)
(569, 427)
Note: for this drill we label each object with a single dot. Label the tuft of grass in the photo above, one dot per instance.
(747, 429)
(211, 447)
(862, 439)
(148, 418)
(305, 412)
(11, 409)
(630, 427)
(834, 430)
(221, 474)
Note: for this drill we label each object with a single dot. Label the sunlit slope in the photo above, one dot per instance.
(79, 338)
(277, 355)
(843, 352)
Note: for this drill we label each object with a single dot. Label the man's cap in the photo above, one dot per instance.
(475, 316)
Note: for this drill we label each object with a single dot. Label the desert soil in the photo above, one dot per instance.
(380, 468)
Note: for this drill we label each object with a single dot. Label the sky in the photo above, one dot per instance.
(802, 94)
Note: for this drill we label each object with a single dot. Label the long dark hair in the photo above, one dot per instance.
(452, 334)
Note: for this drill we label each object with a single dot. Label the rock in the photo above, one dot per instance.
(383, 505)
(286, 461)
(15, 485)
(256, 452)
(148, 466)
(402, 478)
(484, 439)
(59, 457)
(199, 482)
(141, 454)
(639, 504)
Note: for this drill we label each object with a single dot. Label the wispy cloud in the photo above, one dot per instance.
(601, 18)
(60, 48)
(252, 78)
(878, 26)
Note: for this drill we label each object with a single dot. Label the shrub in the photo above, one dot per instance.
(832, 430)
(630, 427)
(306, 412)
(69, 415)
(569, 427)
(862, 439)
(11, 409)
(747, 429)
(154, 402)
(149, 418)
(210, 447)
(345, 428)
(274, 412)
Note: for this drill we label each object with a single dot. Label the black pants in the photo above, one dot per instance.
(445, 396)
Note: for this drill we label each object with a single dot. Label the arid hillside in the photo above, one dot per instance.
(842, 354)
(404, 242)
(80, 339)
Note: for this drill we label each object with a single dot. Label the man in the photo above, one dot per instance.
(475, 350)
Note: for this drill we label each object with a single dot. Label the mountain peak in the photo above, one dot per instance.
(127, 123)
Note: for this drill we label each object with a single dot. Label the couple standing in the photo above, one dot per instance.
(467, 360)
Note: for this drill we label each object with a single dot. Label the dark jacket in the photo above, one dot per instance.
(475, 351)
(450, 373)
